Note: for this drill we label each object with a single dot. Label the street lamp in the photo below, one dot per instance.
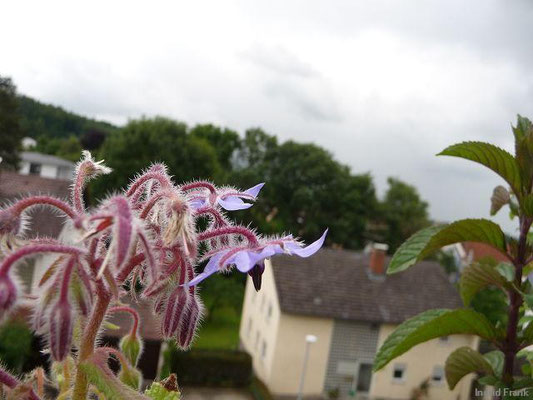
(309, 339)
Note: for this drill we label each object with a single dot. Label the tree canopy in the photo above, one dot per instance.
(10, 129)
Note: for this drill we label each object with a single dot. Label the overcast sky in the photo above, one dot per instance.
(383, 85)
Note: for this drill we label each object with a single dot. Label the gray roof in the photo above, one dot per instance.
(336, 284)
(40, 158)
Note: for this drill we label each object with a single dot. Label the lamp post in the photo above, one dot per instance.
(309, 339)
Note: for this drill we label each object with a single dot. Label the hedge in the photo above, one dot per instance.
(218, 368)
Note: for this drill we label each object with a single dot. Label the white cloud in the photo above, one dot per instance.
(382, 84)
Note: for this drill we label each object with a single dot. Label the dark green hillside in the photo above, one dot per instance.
(38, 119)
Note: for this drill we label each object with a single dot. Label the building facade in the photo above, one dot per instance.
(321, 297)
(44, 165)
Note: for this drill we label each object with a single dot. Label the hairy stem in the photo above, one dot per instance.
(81, 385)
(510, 345)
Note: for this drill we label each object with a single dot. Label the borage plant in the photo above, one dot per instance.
(514, 277)
(145, 241)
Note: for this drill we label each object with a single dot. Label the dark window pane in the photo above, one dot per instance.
(35, 169)
(364, 377)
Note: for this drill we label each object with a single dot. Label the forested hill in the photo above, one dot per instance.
(39, 119)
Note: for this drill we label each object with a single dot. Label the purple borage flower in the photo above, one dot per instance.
(250, 259)
(228, 199)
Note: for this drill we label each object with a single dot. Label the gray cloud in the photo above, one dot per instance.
(384, 85)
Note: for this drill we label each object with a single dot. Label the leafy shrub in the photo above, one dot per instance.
(15, 344)
(222, 368)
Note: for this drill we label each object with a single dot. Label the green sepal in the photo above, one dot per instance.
(131, 346)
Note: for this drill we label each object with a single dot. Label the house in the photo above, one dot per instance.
(344, 299)
(43, 223)
(45, 165)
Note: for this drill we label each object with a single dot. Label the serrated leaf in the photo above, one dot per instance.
(492, 157)
(407, 254)
(464, 361)
(430, 325)
(507, 271)
(523, 383)
(467, 230)
(496, 360)
(477, 276)
(500, 197)
(431, 239)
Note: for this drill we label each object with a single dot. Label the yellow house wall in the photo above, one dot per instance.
(284, 335)
(289, 355)
(420, 361)
(263, 328)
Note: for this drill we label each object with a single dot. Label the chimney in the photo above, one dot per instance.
(377, 258)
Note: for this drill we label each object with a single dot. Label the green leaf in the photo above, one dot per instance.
(527, 333)
(464, 361)
(407, 254)
(528, 298)
(488, 381)
(428, 240)
(430, 325)
(477, 276)
(507, 271)
(492, 157)
(467, 230)
(496, 359)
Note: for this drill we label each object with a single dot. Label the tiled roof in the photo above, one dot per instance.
(40, 158)
(336, 284)
(43, 222)
(481, 250)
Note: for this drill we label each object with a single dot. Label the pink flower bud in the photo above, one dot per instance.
(177, 304)
(190, 323)
(8, 294)
(60, 330)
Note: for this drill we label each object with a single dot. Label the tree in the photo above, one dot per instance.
(142, 142)
(69, 148)
(225, 141)
(403, 212)
(10, 130)
(315, 190)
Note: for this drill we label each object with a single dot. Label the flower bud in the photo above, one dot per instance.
(8, 294)
(131, 377)
(131, 347)
(190, 322)
(176, 306)
(60, 330)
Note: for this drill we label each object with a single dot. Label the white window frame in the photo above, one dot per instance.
(403, 368)
(438, 370)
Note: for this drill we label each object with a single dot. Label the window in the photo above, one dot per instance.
(263, 350)
(364, 377)
(398, 373)
(35, 169)
(437, 377)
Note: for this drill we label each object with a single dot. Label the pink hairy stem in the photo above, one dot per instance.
(37, 248)
(23, 204)
(134, 314)
(230, 230)
(157, 176)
